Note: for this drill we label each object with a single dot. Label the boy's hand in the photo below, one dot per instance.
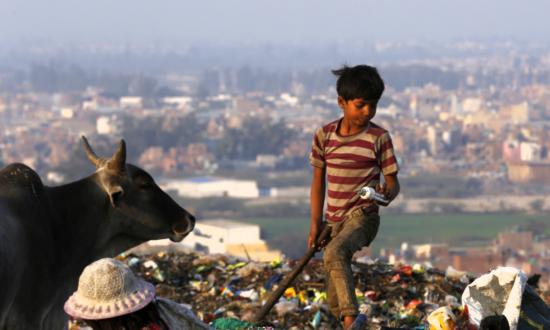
(390, 189)
(314, 233)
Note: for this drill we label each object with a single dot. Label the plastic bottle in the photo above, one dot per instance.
(360, 322)
(370, 193)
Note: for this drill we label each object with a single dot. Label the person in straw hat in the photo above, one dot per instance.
(111, 296)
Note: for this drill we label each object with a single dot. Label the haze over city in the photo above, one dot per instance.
(181, 23)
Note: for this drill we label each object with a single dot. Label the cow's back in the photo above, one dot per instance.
(23, 218)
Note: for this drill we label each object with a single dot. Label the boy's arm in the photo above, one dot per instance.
(317, 201)
(390, 188)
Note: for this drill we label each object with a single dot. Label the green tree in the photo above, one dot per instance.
(536, 205)
(165, 132)
(256, 136)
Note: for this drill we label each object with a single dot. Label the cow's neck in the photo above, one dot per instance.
(82, 213)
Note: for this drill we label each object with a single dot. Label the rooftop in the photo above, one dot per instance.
(223, 223)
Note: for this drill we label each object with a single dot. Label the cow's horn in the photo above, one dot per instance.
(118, 161)
(98, 162)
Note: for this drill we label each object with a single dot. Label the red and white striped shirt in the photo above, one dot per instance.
(351, 163)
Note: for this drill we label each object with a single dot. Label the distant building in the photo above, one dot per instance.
(515, 241)
(511, 150)
(178, 101)
(433, 140)
(226, 237)
(108, 125)
(428, 251)
(267, 160)
(516, 113)
(530, 151)
(67, 112)
(131, 102)
(472, 104)
(529, 172)
(213, 187)
(289, 99)
(476, 260)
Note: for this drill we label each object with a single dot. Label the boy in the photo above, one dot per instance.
(348, 154)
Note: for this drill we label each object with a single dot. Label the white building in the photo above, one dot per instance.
(213, 187)
(131, 102)
(530, 151)
(177, 101)
(108, 125)
(67, 112)
(225, 237)
(289, 99)
(214, 236)
(472, 104)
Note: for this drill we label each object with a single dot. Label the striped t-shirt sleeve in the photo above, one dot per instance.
(317, 154)
(388, 162)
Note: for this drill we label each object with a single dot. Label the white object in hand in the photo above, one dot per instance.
(370, 193)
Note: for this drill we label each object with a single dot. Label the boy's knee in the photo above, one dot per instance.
(334, 258)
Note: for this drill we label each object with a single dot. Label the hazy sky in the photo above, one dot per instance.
(275, 21)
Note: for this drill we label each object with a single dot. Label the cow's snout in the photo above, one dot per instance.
(181, 229)
(191, 223)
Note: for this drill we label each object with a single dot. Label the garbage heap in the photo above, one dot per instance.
(220, 287)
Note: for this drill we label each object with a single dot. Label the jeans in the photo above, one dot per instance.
(347, 237)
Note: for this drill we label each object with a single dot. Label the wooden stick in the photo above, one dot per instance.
(287, 281)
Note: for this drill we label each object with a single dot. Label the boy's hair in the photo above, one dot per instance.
(361, 81)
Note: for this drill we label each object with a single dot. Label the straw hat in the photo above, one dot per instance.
(108, 288)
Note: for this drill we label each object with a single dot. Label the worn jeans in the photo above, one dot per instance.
(347, 237)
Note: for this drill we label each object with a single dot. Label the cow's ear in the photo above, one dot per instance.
(115, 194)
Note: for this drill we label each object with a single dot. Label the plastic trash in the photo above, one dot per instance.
(272, 281)
(360, 322)
(303, 297)
(316, 320)
(442, 318)
(133, 261)
(290, 293)
(235, 266)
(250, 294)
(285, 306)
(158, 275)
(451, 301)
(230, 324)
(250, 269)
(406, 270)
(496, 293)
(413, 304)
(454, 274)
(418, 269)
(534, 311)
(150, 264)
(372, 295)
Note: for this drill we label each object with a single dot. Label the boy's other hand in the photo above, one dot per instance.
(390, 188)
(382, 189)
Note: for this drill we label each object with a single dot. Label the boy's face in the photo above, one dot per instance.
(358, 111)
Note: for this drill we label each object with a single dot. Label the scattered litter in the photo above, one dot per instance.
(227, 292)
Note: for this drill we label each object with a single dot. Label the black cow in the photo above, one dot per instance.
(49, 234)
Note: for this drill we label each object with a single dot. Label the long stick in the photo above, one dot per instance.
(287, 281)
